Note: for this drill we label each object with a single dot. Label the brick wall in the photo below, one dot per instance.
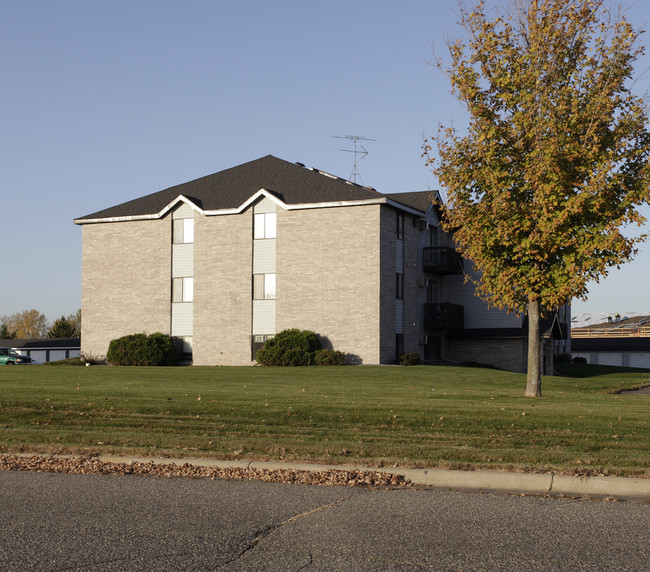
(505, 353)
(223, 270)
(328, 276)
(125, 285)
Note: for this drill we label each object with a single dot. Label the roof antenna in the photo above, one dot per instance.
(363, 152)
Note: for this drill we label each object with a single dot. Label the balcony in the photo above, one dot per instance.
(442, 260)
(443, 317)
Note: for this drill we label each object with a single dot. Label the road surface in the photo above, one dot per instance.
(66, 522)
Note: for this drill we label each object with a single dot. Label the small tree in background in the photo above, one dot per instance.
(62, 328)
(5, 334)
(26, 325)
(554, 163)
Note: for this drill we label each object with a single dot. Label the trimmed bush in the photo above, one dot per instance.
(289, 348)
(329, 357)
(141, 349)
(410, 358)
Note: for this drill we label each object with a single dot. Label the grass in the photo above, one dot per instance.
(376, 416)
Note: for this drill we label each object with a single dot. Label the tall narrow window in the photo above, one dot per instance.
(432, 237)
(182, 289)
(264, 286)
(399, 288)
(265, 225)
(400, 226)
(183, 230)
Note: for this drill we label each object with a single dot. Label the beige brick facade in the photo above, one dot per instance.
(125, 285)
(329, 276)
(223, 269)
(335, 257)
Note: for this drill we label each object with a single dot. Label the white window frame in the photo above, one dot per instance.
(182, 289)
(263, 286)
(264, 225)
(183, 231)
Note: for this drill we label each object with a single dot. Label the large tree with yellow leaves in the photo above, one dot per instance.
(554, 162)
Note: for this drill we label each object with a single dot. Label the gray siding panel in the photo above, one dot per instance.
(399, 316)
(264, 256)
(182, 260)
(182, 319)
(399, 256)
(477, 313)
(264, 317)
(264, 206)
(183, 211)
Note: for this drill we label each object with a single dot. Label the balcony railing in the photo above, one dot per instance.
(442, 260)
(443, 317)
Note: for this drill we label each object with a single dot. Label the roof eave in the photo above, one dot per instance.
(239, 209)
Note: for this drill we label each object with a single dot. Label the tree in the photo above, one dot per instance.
(69, 327)
(62, 328)
(26, 325)
(5, 334)
(554, 163)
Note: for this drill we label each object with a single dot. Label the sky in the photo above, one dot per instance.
(104, 102)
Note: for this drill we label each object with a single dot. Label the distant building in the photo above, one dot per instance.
(45, 349)
(621, 342)
(226, 261)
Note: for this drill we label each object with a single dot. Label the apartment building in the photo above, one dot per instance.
(226, 261)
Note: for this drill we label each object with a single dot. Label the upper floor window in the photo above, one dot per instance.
(400, 226)
(182, 289)
(263, 286)
(432, 236)
(264, 225)
(183, 230)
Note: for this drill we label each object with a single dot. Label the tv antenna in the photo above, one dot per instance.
(363, 152)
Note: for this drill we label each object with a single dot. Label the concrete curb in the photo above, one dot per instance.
(623, 488)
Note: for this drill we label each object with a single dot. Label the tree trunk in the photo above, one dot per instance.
(534, 377)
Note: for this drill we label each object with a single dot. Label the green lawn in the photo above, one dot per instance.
(406, 416)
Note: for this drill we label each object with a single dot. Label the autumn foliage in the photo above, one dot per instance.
(554, 162)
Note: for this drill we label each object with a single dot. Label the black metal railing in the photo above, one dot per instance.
(444, 317)
(442, 260)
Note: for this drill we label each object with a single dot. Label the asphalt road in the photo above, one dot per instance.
(93, 522)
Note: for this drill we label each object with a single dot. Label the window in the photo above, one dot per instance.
(399, 288)
(182, 289)
(257, 343)
(183, 230)
(400, 226)
(432, 238)
(263, 286)
(264, 225)
(399, 344)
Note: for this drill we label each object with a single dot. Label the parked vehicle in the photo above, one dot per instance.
(12, 357)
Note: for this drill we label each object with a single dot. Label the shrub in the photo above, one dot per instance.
(579, 359)
(289, 348)
(141, 349)
(92, 359)
(68, 361)
(329, 357)
(410, 358)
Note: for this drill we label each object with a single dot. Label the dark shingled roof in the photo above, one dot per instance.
(42, 343)
(420, 200)
(290, 182)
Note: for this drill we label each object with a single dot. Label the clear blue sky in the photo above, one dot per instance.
(103, 102)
